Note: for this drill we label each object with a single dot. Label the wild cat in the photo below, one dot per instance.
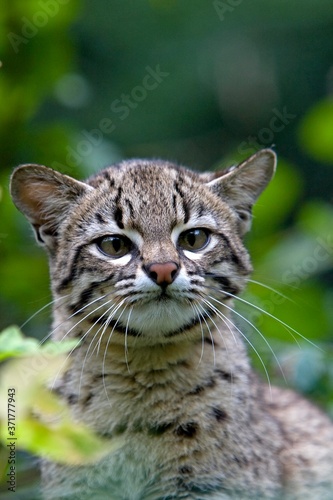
(146, 259)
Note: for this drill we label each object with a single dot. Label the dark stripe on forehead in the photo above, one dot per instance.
(99, 218)
(186, 210)
(174, 203)
(118, 214)
(100, 177)
(130, 207)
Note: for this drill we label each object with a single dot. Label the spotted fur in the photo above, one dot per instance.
(159, 360)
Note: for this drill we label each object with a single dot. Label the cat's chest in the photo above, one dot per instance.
(172, 422)
(113, 397)
(158, 390)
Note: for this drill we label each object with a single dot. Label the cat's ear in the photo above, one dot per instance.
(45, 197)
(240, 186)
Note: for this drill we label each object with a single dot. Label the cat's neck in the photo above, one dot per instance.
(139, 382)
(216, 347)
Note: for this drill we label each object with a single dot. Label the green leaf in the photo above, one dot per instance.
(43, 423)
(13, 343)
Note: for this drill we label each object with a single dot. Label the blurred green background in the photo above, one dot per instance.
(84, 84)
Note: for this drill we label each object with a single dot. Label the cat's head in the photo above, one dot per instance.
(141, 246)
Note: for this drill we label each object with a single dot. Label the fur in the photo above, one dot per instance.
(164, 365)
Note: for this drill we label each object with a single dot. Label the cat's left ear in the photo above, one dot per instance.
(241, 185)
(45, 197)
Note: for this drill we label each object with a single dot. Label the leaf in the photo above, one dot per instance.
(14, 344)
(43, 422)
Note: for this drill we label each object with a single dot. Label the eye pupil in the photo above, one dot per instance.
(114, 246)
(191, 237)
(194, 239)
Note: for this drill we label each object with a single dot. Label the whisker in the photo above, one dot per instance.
(257, 330)
(42, 309)
(209, 331)
(107, 346)
(111, 312)
(72, 316)
(126, 346)
(104, 326)
(288, 327)
(198, 314)
(221, 315)
(279, 282)
(229, 328)
(82, 319)
(217, 328)
(80, 340)
(271, 289)
(216, 311)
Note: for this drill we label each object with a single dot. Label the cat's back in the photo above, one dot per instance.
(307, 452)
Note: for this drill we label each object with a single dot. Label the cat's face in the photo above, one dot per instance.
(140, 247)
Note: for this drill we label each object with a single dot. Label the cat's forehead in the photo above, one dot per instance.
(149, 186)
(153, 196)
(144, 174)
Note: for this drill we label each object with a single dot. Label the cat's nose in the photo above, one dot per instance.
(162, 274)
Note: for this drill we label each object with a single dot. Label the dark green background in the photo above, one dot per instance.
(229, 69)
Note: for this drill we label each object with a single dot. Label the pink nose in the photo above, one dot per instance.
(162, 274)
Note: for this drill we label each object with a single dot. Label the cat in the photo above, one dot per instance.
(146, 258)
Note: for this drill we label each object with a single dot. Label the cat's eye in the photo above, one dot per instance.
(194, 239)
(114, 246)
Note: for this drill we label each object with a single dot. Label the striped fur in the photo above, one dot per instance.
(162, 363)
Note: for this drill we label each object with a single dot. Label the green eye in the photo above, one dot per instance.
(194, 239)
(114, 246)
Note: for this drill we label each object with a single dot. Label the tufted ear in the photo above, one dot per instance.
(240, 186)
(45, 197)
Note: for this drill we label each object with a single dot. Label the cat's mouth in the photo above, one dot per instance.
(164, 296)
(158, 316)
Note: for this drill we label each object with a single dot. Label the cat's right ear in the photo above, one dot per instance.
(240, 185)
(45, 197)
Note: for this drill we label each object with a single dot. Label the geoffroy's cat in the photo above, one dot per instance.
(146, 258)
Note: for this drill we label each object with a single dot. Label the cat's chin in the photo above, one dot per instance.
(159, 320)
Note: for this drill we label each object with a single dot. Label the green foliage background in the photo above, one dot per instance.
(236, 76)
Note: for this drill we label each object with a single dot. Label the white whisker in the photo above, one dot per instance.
(198, 314)
(80, 340)
(273, 317)
(126, 346)
(221, 315)
(42, 309)
(257, 330)
(271, 289)
(104, 327)
(107, 346)
(285, 325)
(224, 321)
(210, 333)
(72, 316)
